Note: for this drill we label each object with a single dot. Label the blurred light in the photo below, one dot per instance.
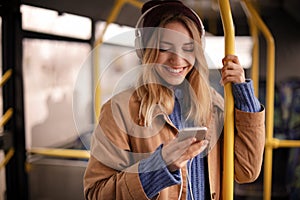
(52, 22)
(215, 49)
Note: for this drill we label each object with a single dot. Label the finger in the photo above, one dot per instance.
(230, 58)
(175, 149)
(233, 79)
(195, 149)
(231, 66)
(182, 155)
(233, 73)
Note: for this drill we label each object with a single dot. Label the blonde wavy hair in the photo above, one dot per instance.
(152, 93)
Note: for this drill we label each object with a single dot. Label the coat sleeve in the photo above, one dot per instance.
(103, 182)
(112, 172)
(249, 145)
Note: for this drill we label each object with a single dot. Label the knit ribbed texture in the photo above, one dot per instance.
(196, 170)
(155, 176)
(244, 98)
(176, 116)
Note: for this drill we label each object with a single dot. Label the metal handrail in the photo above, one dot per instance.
(251, 12)
(114, 14)
(271, 142)
(6, 76)
(57, 152)
(7, 157)
(7, 116)
(279, 143)
(229, 34)
(111, 18)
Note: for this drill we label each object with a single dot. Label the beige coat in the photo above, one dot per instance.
(121, 140)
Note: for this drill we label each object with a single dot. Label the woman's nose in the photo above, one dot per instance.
(175, 58)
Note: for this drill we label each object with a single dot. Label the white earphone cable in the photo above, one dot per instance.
(181, 185)
(189, 180)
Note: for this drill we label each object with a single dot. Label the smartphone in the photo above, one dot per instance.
(198, 132)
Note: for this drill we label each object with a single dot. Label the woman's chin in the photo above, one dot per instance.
(175, 82)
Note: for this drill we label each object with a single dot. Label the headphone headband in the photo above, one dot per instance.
(137, 33)
(178, 6)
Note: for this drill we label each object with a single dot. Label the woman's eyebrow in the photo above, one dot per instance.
(188, 43)
(166, 42)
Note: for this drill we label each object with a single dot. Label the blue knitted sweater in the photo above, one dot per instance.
(153, 181)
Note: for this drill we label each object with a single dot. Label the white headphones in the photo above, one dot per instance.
(138, 35)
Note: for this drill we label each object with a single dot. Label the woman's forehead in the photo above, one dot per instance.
(179, 35)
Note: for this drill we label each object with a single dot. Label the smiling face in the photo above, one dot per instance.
(176, 53)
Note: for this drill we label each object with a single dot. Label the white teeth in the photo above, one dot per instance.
(174, 70)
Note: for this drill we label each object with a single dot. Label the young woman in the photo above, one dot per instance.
(135, 151)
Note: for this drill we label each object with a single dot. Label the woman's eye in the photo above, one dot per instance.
(163, 50)
(169, 48)
(188, 48)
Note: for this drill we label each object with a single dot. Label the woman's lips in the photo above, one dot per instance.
(175, 70)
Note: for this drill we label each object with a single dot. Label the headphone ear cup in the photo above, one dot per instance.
(138, 46)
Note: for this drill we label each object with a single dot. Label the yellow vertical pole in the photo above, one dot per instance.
(114, 13)
(269, 97)
(228, 176)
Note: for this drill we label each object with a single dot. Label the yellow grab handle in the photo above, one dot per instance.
(65, 153)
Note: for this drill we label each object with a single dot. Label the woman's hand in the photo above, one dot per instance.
(177, 153)
(232, 71)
